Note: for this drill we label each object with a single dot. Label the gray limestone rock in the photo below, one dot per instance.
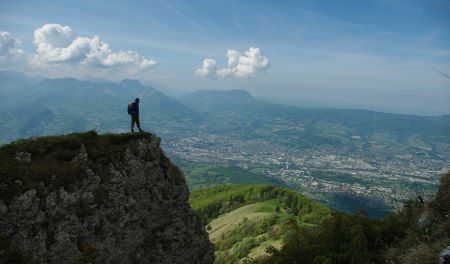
(23, 157)
(444, 257)
(130, 206)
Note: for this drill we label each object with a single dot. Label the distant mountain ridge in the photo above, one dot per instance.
(33, 107)
(237, 110)
(227, 100)
(235, 100)
(55, 106)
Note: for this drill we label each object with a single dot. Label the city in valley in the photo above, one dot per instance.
(383, 178)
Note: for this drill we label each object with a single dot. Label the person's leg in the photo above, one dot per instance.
(133, 120)
(138, 123)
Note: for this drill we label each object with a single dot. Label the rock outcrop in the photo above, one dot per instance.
(444, 257)
(88, 198)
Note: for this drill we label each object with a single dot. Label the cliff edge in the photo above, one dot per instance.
(88, 198)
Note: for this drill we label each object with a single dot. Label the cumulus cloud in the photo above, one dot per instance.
(208, 69)
(246, 64)
(56, 44)
(8, 49)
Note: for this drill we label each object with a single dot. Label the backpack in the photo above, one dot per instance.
(130, 108)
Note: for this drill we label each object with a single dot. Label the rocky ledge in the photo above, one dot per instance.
(88, 198)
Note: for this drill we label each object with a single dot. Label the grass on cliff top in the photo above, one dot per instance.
(53, 160)
(44, 145)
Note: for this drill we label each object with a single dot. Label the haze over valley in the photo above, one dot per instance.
(345, 158)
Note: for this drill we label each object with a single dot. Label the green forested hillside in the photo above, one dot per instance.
(416, 234)
(211, 202)
(263, 224)
(244, 220)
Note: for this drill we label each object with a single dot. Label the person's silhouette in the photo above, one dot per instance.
(134, 112)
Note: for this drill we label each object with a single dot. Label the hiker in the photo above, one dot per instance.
(133, 110)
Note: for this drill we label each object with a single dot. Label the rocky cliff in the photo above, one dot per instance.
(88, 198)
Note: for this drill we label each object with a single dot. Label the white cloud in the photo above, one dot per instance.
(56, 44)
(208, 69)
(246, 64)
(8, 50)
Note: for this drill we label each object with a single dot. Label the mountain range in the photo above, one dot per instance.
(37, 106)
(53, 106)
(344, 158)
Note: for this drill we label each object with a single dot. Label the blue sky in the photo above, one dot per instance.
(374, 54)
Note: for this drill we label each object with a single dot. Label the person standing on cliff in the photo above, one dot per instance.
(133, 111)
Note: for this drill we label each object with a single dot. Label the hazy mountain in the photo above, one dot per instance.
(237, 111)
(9, 78)
(54, 106)
(235, 101)
(11, 81)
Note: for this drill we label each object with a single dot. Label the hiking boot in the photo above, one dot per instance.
(140, 130)
(132, 130)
